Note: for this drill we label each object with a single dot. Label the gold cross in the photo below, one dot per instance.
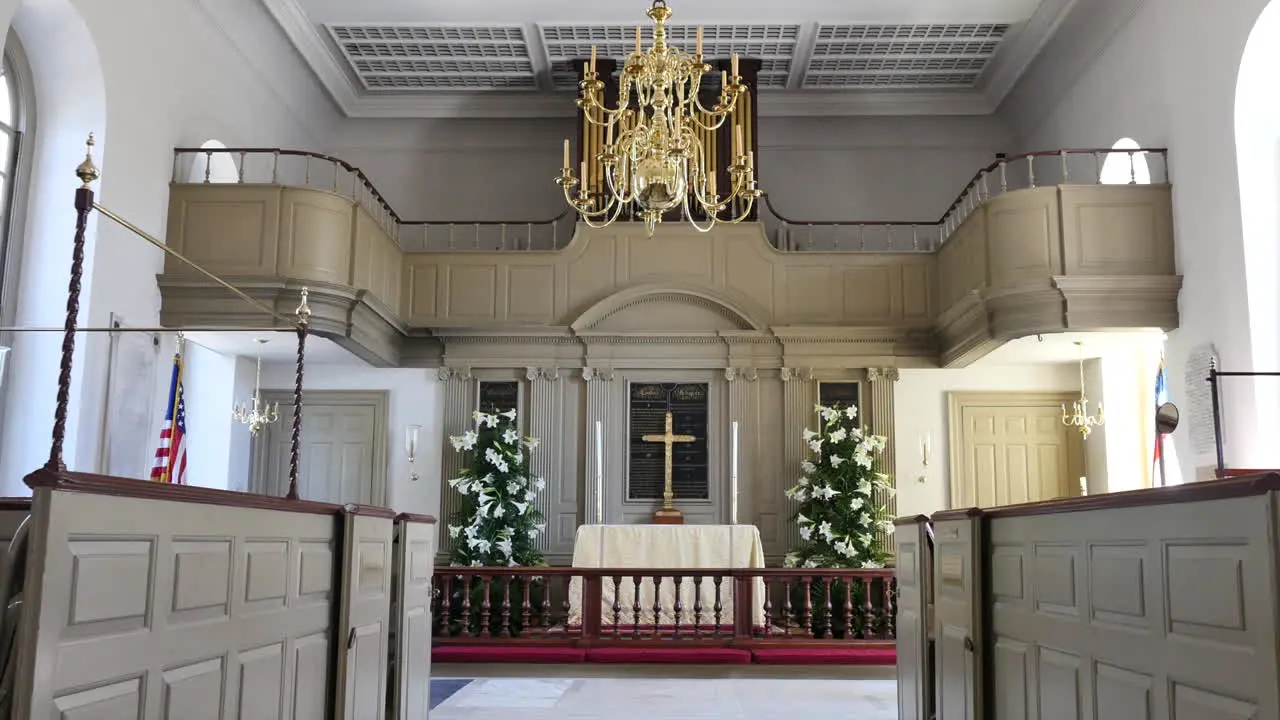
(668, 439)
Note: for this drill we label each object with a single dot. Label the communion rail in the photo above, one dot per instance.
(791, 607)
(300, 168)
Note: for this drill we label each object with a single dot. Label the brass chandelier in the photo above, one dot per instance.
(653, 156)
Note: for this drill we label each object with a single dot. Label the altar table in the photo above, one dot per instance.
(667, 546)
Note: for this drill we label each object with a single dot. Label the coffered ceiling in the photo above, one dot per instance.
(511, 58)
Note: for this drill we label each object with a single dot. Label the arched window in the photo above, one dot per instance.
(14, 112)
(1123, 166)
(214, 167)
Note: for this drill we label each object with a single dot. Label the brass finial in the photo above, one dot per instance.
(659, 12)
(87, 171)
(304, 310)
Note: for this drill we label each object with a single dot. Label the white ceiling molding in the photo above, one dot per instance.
(450, 70)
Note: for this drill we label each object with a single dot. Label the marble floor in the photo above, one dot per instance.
(626, 697)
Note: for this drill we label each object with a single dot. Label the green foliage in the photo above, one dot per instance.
(838, 514)
(497, 524)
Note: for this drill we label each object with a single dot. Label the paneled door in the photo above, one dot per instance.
(343, 458)
(1010, 449)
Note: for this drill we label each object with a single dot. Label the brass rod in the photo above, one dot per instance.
(154, 241)
(244, 329)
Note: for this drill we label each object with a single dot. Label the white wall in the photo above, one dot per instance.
(874, 168)
(146, 76)
(920, 408)
(413, 399)
(1167, 77)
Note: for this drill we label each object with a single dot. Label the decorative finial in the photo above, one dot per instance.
(304, 310)
(179, 341)
(87, 171)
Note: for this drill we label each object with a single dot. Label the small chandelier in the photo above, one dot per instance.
(260, 413)
(1079, 417)
(653, 158)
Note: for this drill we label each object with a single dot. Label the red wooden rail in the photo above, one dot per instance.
(799, 607)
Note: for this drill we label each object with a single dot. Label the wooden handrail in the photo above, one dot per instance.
(765, 199)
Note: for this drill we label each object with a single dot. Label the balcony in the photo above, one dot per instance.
(1033, 244)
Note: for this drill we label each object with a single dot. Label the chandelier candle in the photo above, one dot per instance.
(655, 161)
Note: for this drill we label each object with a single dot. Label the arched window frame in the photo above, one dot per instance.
(15, 172)
(1123, 166)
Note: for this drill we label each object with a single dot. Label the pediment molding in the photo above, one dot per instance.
(734, 311)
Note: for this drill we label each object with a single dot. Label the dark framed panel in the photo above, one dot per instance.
(841, 393)
(689, 406)
(497, 396)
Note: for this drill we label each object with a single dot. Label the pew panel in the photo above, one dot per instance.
(145, 607)
(913, 567)
(1157, 611)
(414, 563)
(958, 622)
(365, 613)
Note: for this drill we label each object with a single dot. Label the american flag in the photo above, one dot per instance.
(171, 455)
(1162, 397)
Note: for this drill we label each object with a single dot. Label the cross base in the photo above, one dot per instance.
(668, 516)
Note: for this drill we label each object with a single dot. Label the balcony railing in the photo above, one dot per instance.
(576, 606)
(297, 168)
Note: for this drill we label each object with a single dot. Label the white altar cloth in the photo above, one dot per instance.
(667, 547)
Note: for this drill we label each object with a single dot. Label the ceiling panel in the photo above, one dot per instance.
(436, 57)
(917, 57)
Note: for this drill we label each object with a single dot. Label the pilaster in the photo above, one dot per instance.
(883, 381)
(546, 405)
(596, 493)
(459, 392)
(744, 409)
(799, 394)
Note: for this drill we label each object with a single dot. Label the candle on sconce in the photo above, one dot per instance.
(733, 473)
(699, 53)
(734, 65)
(566, 153)
(411, 449)
(599, 472)
(637, 39)
(593, 58)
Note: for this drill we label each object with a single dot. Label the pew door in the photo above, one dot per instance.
(364, 614)
(915, 594)
(414, 563)
(958, 628)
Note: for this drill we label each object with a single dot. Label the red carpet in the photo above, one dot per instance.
(666, 655)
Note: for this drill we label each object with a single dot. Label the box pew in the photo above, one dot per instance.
(914, 547)
(1158, 603)
(147, 600)
(410, 658)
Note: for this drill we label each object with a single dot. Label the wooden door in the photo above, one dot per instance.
(1012, 450)
(343, 457)
(958, 625)
(361, 686)
(411, 611)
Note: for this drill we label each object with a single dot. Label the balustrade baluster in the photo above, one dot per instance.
(890, 609)
(564, 604)
(828, 629)
(306, 173)
(657, 606)
(1031, 171)
(1004, 177)
(526, 607)
(334, 184)
(445, 588)
(1066, 168)
(849, 625)
(679, 606)
(1133, 169)
(546, 620)
(528, 235)
(486, 607)
(240, 169)
(807, 618)
(275, 167)
(475, 229)
(505, 629)
(466, 605)
(787, 610)
(208, 164)
(697, 607)
(868, 610)
(719, 606)
(617, 603)
(768, 608)
(636, 581)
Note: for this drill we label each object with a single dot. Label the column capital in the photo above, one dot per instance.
(550, 374)
(789, 373)
(741, 373)
(462, 374)
(880, 374)
(597, 374)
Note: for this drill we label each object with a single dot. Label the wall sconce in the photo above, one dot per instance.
(411, 449)
(926, 447)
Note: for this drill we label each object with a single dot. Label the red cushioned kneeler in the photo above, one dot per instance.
(824, 656)
(508, 654)
(695, 655)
